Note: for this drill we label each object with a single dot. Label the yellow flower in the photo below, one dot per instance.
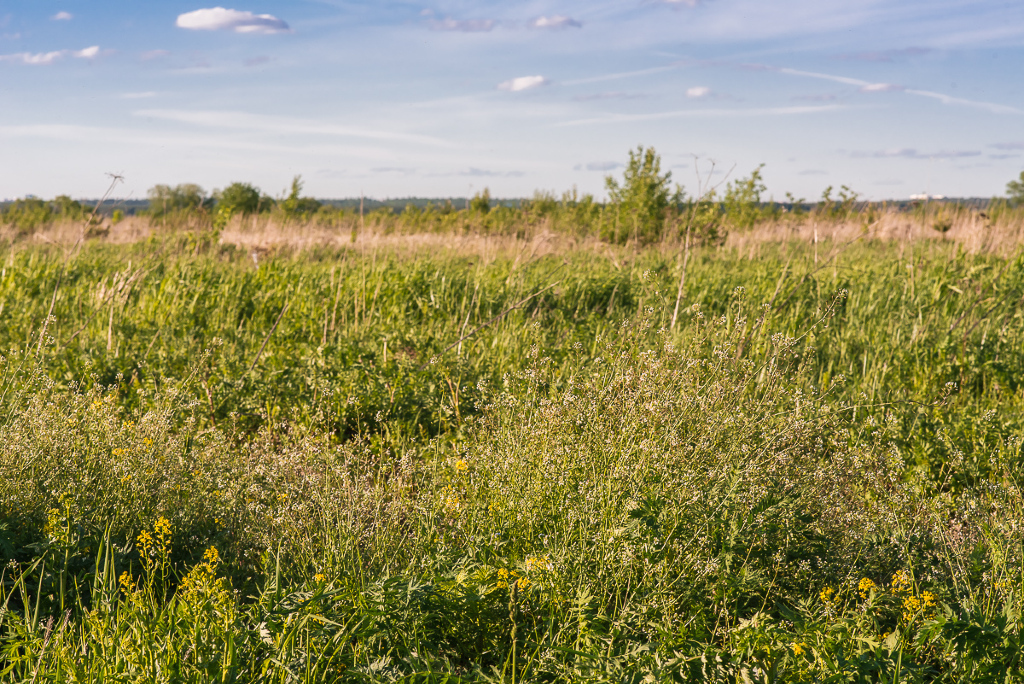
(461, 466)
(522, 583)
(211, 556)
(911, 606)
(901, 581)
(503, 576)
(826, 594)
(319, 578)
(538, 564)
(927, 599)
(798, 649)
(865, 587)
(127, 583)
(126, 478)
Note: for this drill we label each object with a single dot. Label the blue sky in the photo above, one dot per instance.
(402, 98)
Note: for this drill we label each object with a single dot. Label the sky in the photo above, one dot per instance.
(400, 98)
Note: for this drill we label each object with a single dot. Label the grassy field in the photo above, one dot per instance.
(434, 458)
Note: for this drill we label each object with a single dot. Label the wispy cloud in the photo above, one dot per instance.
(45, 58)
(405, 171)
(882, 88)
(464, 25)
(221, 19)
(619, 75)
(1009, 146)
(602, 166)
(138, 96)
(241, 121)
(885, 55)
(874, 87)
(698, 92)
(487, 173)
(612, 95)
(62, 16)
(557, 21)
(699, 113)
(912, 153)
(150, 55)
(522, 83)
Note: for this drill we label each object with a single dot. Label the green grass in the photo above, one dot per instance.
(575, 492)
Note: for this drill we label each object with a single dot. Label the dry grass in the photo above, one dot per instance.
(971, 230)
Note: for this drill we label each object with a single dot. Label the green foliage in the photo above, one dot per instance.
(294, 205)
(640, 203)
(241, 198)
(1015, 191)
(481, 202)
(165, 200)
(742, 200)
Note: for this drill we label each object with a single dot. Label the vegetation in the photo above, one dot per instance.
(389, 461)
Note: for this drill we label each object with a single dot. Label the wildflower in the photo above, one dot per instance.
(927, 599)
(211, 556)
(522, 583)
(826, 595)
(911, 606)
(798, 649)
(461, 466)
(126, 478)
(127, 583)
(865, 587)
(901, 581)
(539, 564)
(319, 578)
(503, 576)
(162, 527)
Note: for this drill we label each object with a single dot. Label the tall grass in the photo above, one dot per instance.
(294, 470)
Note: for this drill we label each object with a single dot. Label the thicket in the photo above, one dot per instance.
(340, 465)
(643, 208)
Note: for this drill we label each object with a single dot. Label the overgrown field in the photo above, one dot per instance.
(517, 464)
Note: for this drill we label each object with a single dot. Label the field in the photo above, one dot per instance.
(350, 453)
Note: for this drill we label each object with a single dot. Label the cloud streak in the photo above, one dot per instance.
(868, 86)
(699, 113)
(462, 26)
(244, 121)
(516, 85)
(46, 58)
(557, 21)
(912, 153)
(222, 19)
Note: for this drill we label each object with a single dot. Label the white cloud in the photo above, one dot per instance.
(557, 21)
(154, 54)
(688, 3)
(221, 19)
(465, 26)
(522, 83)
(62, 16)
(698, 91)
(45, 58)
(881, 88)
(868, 86)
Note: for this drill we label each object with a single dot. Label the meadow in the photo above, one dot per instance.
(778, 450)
